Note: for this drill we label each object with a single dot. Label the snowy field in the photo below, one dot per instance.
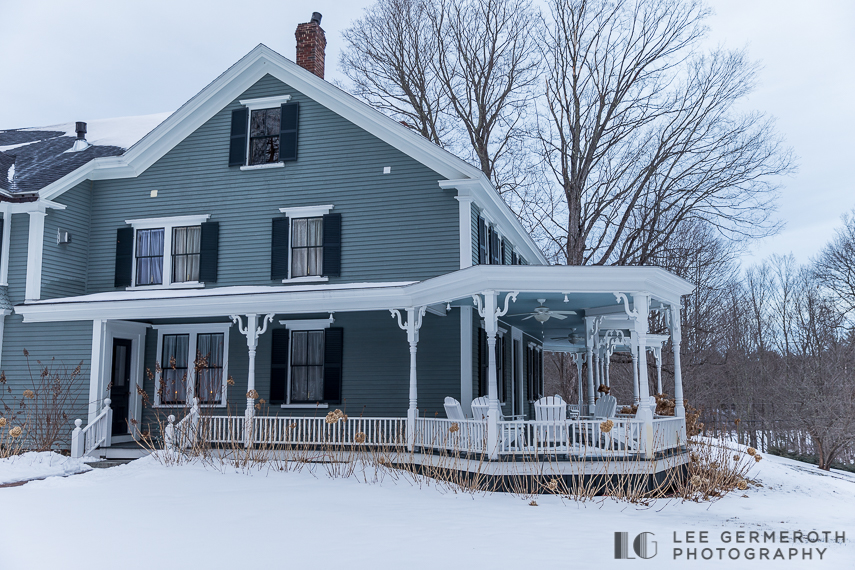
(144, 515)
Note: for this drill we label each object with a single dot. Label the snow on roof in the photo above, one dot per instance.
(31, 158)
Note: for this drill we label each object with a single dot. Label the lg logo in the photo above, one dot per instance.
(641, 545)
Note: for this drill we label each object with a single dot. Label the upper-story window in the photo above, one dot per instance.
(492, 248)
(264, 136)
(307, 247)
(180, 251)
(264, 133)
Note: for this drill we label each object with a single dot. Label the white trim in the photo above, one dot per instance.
(167, 223)
(306, 279)
(466, 360)
(3, 314)
(319, 405)
(264, 166)
(265, 102)
(308, 324)
(465, 223)
(307, 211)
(4, 250)
(306, 299)
(35, 252)
(96, 368)
(150, 223)
(193, 330)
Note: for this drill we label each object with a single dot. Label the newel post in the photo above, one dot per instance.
(169, 433)
(108, 428)
(415, 315)
(76, 440)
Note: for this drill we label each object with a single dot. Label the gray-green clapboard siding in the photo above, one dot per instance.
(64, 266)
(398, 226)
(375, 368)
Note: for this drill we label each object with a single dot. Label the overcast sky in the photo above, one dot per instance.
(89, 59)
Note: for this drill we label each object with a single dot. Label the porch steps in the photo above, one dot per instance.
(120, 451)
(106, 464)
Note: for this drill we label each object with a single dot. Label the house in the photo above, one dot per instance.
(276, 248)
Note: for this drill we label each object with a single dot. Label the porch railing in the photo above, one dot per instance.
(97, 434)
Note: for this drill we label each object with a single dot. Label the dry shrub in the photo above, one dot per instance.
(41, 409)
(714, 470)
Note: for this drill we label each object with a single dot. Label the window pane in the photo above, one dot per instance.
(174, 366)
(186, 244)
(150, 257)
(257, 124)
(315, 260)
(316, 348)
(298, 263)
(272, 122)
(209, 361)
(298, 348)
(298, 384)
(307, 370)
(315, 383)
(315, 231)
(299, 235)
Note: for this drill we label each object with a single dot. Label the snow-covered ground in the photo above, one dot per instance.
(38, 465)
(144, 515)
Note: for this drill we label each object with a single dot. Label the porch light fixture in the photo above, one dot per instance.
(541, 317)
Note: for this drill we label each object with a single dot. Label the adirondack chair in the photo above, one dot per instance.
(453, 409)
(605, 408)
(552, 410)
(480, 407)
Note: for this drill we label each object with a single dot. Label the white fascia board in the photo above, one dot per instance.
(456, 285)
(228, 87)
(170, 221)
(265, 102)
(307, 211)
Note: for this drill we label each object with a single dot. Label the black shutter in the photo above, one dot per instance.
(332, 245)
(279, 250)
(279, 366)
(237, 141)
(124, 257)
(494, 247)
(333, 353)
(288, 131)
(500, 368)
(504, 251)
(1, 232)
(483, 363)
(482, 242)
(209, 252)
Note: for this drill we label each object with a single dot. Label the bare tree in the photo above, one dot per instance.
(460, 72)
(639, 132)
(835, 266)
(389, 57)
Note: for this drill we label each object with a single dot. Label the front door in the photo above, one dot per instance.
(120, 382)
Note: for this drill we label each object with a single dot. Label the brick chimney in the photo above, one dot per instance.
(311, 43)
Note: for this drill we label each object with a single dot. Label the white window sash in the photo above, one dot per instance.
(167, 223)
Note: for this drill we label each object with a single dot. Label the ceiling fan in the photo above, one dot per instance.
(572, 338)
(542, 314)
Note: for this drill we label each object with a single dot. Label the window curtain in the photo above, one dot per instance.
(174, 368)
(209, 361)
(307, 366)
(150, 257)
(186, 245)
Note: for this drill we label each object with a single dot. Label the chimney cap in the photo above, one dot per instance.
(316, 18)
(80, 127)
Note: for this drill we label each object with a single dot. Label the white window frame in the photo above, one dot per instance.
(259, 105)
(167, 224)
(303, 212)
(302, 325)
(193, 330)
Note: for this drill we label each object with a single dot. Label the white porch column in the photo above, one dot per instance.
(607, 362)
(641, 306)
(412, 326)
(4, 248)
(592, 331)
(491, 312)
(251, 331)
(676, 337)
(657, 356)
(96, 372)
(579, 359)
(634, 351)
(35, 249)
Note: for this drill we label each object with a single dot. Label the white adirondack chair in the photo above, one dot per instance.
(453, 409)
(480, 407)
(551, 410)
(605, 408)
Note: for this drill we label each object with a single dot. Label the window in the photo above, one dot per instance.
(534, 371)
(186, 249)
(149, 257)
(307, 366)
(193, 363)
(167, 252)
(307, 247)
(264, 136)
(264, 133)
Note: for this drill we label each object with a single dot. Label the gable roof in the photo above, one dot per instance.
(246, 72)
(33, 158)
